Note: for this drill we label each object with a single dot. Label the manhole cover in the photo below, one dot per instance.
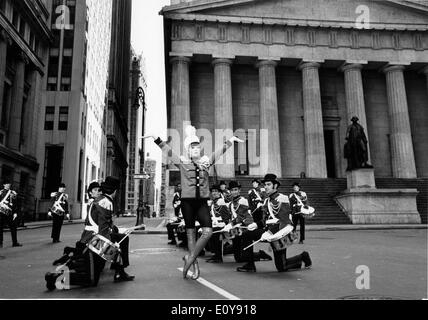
(372, 297)
(153, 251)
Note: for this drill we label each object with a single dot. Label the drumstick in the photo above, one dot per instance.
(254, 243)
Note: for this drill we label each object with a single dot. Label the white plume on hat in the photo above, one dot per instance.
(191, 137)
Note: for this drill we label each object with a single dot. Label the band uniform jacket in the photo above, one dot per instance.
(194, 176)
(295, 206)
(63, 203)
(99, 219)
(256, 196)
(276, 205)
(239, 211)
(175, 204)
(226, 195)
(220, 210)
(12, 201)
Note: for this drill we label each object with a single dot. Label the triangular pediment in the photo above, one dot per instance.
(382, 14)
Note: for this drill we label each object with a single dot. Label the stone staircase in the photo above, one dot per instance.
(420, 184)
(320, 193)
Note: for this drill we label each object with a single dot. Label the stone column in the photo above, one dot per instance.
(223, 116)
(355, 105)
(17, 100)
(403, 158)
(3, 57)
(180, 98)
(270, 151)
(32, 115)
(313, 121)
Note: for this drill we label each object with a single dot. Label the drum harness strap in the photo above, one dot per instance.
(6, 198)
(93, 226)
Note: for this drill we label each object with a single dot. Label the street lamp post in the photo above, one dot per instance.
(140, 97)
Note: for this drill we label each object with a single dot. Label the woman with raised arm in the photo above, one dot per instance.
(194, 172)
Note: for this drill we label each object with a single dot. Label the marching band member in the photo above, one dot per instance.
(57, 211)
(256, 195)
(277, 210)
(296, 206)
(241, 216)
(94, 192)
(194, 171)
(220, 215)
(100, 221)
(224, 192)
(8, 212)
(172, 226)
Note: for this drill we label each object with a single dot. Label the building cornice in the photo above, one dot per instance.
(19, 158)
(21, 43)
(198, 5)
(337, 24)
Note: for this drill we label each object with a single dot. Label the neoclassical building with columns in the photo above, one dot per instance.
(301, 69)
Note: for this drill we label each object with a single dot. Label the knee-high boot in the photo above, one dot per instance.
(190, 259)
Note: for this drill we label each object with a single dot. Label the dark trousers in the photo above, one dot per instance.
(171, 228)
(124, 250)
(298, 218)
(85, 269)
(215, 243)
(12, 224)
(280, 257)
(57, 222)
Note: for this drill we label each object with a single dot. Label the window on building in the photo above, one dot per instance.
(7, 173)
(5, 105)
(32, 41)
(49, 118)
(63, 118)
(15, 18)
(22, 27)
(23, 183)
(52, 174)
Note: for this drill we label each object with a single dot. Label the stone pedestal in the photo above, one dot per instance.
(362, 178)
(365, 204)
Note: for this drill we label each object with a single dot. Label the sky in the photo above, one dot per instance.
(147, 40)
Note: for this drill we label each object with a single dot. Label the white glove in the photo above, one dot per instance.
(227, 228)
(68, 216)
(272, 221)
(253, 226)
(15, 216)
(209, 203)
(266, 236)
(236, 139)
(50, 214)
(259, 205)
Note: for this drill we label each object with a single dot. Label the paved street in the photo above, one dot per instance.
(397, 261)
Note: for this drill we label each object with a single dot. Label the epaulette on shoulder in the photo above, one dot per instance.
(221, 202)
(106, 204)
(282, 198)
(243, 201)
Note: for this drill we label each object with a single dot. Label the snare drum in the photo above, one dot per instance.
(307, 212)
(284, 242)
(103, 247)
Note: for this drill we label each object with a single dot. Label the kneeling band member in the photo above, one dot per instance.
(241, 216)
(276, 209)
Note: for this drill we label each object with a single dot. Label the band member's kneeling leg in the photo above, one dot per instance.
(119, 266)
(283, 264)
(246, 239)
(215, 245)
